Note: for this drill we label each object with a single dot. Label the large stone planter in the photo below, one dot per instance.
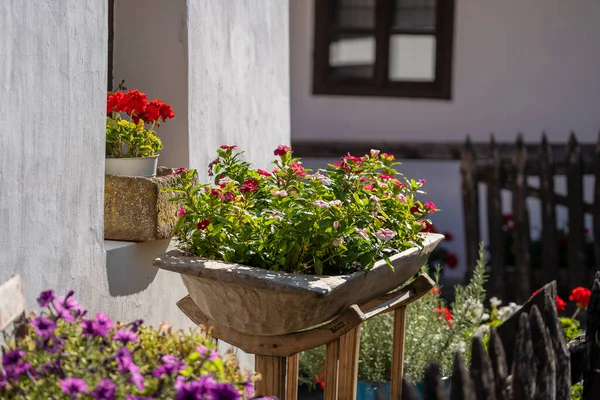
(260, 302)
(138, 209)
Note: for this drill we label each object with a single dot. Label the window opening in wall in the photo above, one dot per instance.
(397, 48)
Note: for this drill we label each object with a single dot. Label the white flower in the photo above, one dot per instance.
(225, 180)
(321, 204)
(338, 241)
(318, 176)
(335, 203)
(482, 330)
(402, 198)
(381, 185)
(336, 224)
(461, 346)
(374, 198)
(281, 193)
(385, 234)
(362, 232)
(506, 312)
(495, 302)
(374, 153)
(277, 213)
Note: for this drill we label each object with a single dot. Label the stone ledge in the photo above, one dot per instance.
(136, 209)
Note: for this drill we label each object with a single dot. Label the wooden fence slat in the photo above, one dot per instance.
(331, 370)
(495, 221)
(468, 169)
(596, 210)
(461, 387)
(575, 248)
(498, 359)
(348, 365)
(545, 382)
(398, 353)
(482, 372)
(12, 301)
(549, 259)
(591, 381)
(524, 369)
(409, 391)
(433, 385)
(522, 285)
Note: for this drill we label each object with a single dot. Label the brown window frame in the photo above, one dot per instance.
(380, 84)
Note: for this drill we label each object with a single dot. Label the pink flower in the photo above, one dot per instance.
(181, 212)
(353, 158)
(336, 224)
(430, 207)
(225, 147)
(402, 198)
(280, 193)
(368, 188)
(386, 177)
(282, 150)
(361, 232)
(321, 204)
(398, 183)
(298, 169)
(422, 181)
(385, 234)
(263, 172)
(178, 171)
(374, 153)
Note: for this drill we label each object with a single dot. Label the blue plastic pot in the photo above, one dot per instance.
(382, 391)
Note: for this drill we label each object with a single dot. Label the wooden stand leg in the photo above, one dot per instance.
(348, 364)
(331, 370)
(291, 382)
(273, 371)
(279, 376)
(398, 353)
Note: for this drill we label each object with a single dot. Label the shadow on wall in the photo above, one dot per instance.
(129, 265)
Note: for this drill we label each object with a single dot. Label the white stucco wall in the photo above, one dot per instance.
(518, 67)
(52, 97)
(238, 78)
(150, 54)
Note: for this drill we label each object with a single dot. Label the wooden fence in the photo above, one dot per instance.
(527, 358)
(509, 167)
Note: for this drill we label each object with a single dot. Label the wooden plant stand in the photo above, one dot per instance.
(277, 356)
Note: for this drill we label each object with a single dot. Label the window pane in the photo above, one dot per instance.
(415, 15)
(412, 58)
(352, 56)
(354, 13)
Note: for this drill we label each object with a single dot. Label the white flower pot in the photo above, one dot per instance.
(134, 166)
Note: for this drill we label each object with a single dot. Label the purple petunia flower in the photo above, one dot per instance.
(224, 391)
(105, 390)
(67, 307)
(13, 363)
(171, 364)
(212, 354)
(91, 328)
(73, 386)
(104, 322)
(135, 325)
(123, 358)
(249, 385)
(52, 344)
(43, 327)
(46, 297)
(125, 336)
(196, 389)
(136, 376)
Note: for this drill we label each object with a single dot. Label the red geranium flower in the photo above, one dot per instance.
(134, 101)
(446, 313)
(581, 296)
(152, 111)
(203, 224)
(560, 304)
(282, 150)
(166, 112)
(451, 260)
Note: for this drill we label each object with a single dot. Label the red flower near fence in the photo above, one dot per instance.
(581, 296)
(446, 313)
(560, 303)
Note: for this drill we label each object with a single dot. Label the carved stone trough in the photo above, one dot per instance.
(260, 302)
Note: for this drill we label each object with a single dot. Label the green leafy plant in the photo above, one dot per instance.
(66, 355)
(129, 137)
(334, 221)
(434, 332)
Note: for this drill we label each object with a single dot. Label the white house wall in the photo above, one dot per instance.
(519, 66)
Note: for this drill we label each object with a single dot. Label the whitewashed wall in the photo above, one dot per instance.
(518, 67)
